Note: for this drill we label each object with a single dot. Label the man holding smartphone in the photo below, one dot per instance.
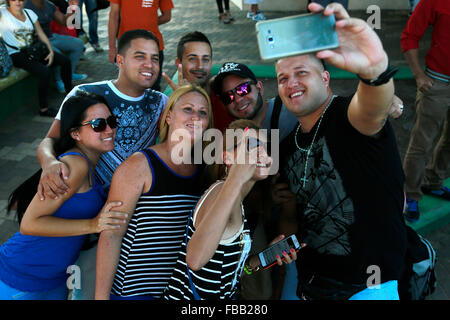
(343, 165)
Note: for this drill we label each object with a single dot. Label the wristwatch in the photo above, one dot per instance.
(382, 78)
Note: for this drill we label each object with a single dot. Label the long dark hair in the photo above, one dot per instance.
(72, 114)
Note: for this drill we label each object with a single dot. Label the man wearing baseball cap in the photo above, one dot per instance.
(242, 95)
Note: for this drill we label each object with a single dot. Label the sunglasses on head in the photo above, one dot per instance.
(99, 124)
(241, 90)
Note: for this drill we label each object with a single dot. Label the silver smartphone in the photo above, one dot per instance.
(296, 35)
(268, 257)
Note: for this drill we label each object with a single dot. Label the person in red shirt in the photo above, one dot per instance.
(432, 105)
(142, 14)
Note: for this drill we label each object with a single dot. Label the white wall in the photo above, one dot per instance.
(300, 5)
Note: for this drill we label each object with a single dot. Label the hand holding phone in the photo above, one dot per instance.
(295, 35)
(360, 49)
(285, 249)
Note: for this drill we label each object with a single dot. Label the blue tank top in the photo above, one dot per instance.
(34, 263)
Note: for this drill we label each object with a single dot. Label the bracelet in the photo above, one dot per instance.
(382, 78)
(249, 270)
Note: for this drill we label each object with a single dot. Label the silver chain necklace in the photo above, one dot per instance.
(308, 150)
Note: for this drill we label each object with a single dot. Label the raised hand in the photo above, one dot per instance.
(169, 81)
(360, 49)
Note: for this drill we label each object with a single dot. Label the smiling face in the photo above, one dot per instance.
(96, 141)
(249, 105)
(191, 113)
(196, 62)
(303, 85)
(16, 4)
(139, 65)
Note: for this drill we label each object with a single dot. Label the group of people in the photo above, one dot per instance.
(183, 230)
(22, 23)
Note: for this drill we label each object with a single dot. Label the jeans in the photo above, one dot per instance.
(71, 46)
(432, 121)
(91, 5)
(9, 293)
(289, 291)
(42, 72)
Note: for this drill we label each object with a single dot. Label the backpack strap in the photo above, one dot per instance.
(15, 48)
(276, 113)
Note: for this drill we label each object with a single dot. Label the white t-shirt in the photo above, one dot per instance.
(14, 32)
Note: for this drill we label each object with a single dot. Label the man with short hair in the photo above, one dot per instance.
(137, 109)
(127, 15)
(194, 63)
(242, 96)
(343, 165)
(194, 54)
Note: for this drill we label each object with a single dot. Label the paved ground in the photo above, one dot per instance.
(21, 133)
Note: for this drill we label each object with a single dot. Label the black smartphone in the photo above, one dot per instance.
(268, 257)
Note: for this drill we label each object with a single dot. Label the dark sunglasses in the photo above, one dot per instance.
(242, 90)
(99, 124)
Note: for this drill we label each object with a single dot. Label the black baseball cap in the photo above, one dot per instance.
(228, 68)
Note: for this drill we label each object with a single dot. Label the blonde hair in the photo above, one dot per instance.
(173, 99)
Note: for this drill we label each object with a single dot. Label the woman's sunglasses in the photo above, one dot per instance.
(241, 90)
(99, 124)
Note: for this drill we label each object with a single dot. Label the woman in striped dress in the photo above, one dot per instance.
(137, 261)
(217, 240)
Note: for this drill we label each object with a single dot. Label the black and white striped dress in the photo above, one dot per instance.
(217, 279)
(156, 231)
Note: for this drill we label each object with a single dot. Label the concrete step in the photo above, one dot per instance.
(434, 213)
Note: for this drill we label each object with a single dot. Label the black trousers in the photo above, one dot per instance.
(43, 73)
(220, 5)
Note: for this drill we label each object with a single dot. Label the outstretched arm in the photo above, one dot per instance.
(361, 52)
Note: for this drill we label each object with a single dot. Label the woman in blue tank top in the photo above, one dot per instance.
(34, 263)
